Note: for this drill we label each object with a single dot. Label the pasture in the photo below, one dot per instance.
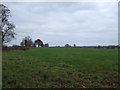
(60, 68)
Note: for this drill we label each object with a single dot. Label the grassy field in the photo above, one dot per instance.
(60, 68)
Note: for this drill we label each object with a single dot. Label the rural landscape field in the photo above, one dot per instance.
(59, 44)
(57, 67)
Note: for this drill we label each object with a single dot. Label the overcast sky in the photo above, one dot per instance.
(58, 23)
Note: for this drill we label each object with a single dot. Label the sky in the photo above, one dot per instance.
(60, 23)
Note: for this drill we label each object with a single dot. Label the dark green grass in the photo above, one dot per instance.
(60, 67)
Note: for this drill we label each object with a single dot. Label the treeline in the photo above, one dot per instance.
(5, 48)
(106, 47)
(25, 44)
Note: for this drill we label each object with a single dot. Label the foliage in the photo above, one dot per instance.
(15, 47)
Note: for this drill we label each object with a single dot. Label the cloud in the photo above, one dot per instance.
(84, 23)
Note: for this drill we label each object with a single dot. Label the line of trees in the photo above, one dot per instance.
(67, 45)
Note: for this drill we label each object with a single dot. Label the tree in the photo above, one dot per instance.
(6, 27)
(46, 45)
(74, 45)
(67, 45)
(39, 43)
(27, 42)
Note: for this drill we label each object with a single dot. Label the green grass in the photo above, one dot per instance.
(60, 68)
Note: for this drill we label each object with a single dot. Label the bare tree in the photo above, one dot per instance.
(6, 27)
(27, 42)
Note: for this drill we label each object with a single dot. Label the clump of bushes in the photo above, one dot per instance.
(5, 48)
